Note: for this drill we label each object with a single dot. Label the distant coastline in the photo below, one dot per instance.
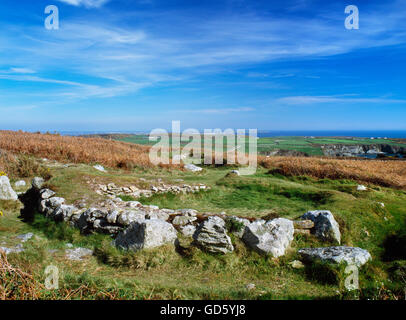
(288, 133)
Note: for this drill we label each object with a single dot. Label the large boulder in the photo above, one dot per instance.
(211, 236)
(6, 191)
(146, 234)
(272, 237)
(325, 226)
(350, 255)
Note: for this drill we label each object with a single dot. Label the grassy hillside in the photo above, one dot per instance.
(189, 273)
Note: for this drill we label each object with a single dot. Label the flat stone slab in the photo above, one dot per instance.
(350, 255)
(78, 254)
(25, 237)
(17, 249)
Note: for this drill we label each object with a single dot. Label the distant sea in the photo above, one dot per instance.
(271, 133)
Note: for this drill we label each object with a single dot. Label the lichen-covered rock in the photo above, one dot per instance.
(62, 213)
(161, 215)
(46, 194)
(20, 183)
(188, 230)
(112, 216)
(211, 236)
(37, 183)
(128, 217)
(272, 237)
(146, 234)
(6, 191)
(325, 226)
(48, 206)
(183, 220)
(350, 255)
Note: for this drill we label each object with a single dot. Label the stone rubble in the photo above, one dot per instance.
(135, 226)
(112, 191)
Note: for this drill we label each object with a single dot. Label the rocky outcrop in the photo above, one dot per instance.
(343, 150)
(325, 226)
(146, 234)
(349, 255)
(6, 191)
(211, 236)
(272, 237)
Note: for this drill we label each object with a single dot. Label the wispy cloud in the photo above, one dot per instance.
(309, 100)
(219, 110)
(86, 3)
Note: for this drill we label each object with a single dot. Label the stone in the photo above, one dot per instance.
(98, 167)
(37, 183)
(296, 264)
(78, 253)
(112, 216)
(46, 194)
(6, 191)
(161, 215)
(211, 236)
(250, 286)
(360, 187)
(325, 226)
(133, 204)
(146, 234)
(340, 254)
(17, 249)
(188, 212)
(188, 230)
(272, 237)
(192, 167)
(20, 183)
(63, 212)
(240, 221)
(128, 217)
(303, 224)
(183, 220)
(25, 237)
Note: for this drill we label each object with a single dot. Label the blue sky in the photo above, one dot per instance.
(138, 65)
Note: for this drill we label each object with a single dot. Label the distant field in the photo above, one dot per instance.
(308, 145)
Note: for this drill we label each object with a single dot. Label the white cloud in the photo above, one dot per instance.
(306, 100)
(86, 3)
(220, 110)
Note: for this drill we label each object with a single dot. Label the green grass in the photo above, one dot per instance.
(157, 274)
(308, 145)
